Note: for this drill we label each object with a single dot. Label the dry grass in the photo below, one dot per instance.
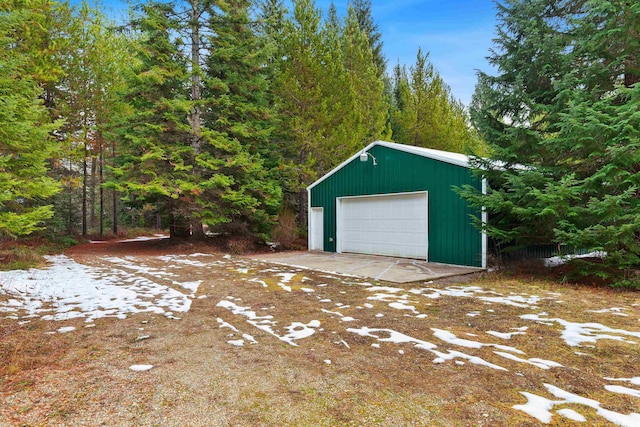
(198, 379)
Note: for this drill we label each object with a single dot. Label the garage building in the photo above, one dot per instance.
(398, 200)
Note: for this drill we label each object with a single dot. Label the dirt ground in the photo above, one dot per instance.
(374, 355)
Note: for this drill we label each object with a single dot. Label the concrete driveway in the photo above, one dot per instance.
(396, 270)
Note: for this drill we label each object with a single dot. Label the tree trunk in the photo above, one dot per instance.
(101, 219)
(197, 232)
(84, 182)
(302, 201)
(115, 197)
(92, 193)
(195, 117)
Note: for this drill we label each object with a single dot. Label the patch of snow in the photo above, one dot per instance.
(401, 306)
(129, 263)
(307, 290)
(575, 334)
(249, 338)
(236, 343)
(539, 363)
(522, 301)
(192, 286)
(623, 390)
(389, 335)
(286, 277)
(572, 415)
(74, 290)
(223, 324)
(296, 330)
(145, 238)
(634, 380)
(504, 335)
(285, 287)
(262, 282)
(140, 368)
(181, 259)
(613, 310)
(450, 338)
(452, 354)
(540, 408)
(327, 361)
(556, 261)
(66, 329)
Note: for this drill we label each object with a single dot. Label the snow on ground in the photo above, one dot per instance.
(67, 290)
(508, 335)
(126, 285)
(575, 334)
(556, 261)
(540, 407)
(296, 330)
(522, 301)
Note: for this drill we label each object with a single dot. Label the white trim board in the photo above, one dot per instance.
(443, 156)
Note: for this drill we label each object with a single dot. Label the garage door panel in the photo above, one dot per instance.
(393, 225)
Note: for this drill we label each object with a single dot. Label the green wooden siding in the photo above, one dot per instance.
(452, 237)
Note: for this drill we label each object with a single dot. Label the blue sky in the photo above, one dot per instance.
(457, 33)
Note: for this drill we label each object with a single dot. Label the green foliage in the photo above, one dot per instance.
(562, 119)
(329, 92)
(198, 154)
(25, 141)
(425, 113)
(155, 160)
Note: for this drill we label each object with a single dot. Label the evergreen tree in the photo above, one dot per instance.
(300, 100)
(563, 122)
(25, 133)
(87, 96)
(154, 164)
(370, 106)
(425, 113)
(238, 193)
(361, 9)
(203, 120)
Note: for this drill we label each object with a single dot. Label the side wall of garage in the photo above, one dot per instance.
(452, 237)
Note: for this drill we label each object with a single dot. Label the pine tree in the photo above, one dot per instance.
(25, 134)
(425, 113)
(364, 16)
(154, 164)
(238, 192)
(370, 106)
(87, 96)
(300, 100)
(563, 122)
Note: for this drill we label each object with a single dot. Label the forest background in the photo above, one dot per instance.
(219, 113)
(201, 112)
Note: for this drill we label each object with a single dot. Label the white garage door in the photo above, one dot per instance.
(392, 225)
